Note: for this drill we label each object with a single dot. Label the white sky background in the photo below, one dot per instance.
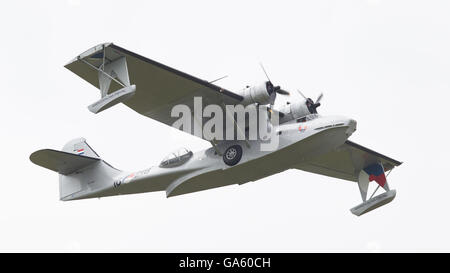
(384, 63)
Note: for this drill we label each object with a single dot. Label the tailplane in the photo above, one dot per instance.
(82, 172)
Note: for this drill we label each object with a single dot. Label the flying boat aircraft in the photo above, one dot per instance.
(306, 140)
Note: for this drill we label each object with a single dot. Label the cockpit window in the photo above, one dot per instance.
(177, 158)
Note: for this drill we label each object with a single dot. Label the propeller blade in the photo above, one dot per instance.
(300, 92)
(273, 96)
(283, 92)
(319, 98)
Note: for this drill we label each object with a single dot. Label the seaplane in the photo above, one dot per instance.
(289, 136)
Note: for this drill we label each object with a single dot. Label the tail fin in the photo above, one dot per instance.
(82, 173)
(79, 146)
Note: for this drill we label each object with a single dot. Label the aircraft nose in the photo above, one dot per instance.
(351, 127)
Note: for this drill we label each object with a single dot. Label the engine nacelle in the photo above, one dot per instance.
(294, 110)
(261, 94)
(299, 109)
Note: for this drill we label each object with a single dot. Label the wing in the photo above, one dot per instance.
(109, 67)
(347, 161)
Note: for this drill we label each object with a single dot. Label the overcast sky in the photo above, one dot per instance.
(384, 63)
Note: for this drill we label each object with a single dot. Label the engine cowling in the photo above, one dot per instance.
(299, 109)
(263, 93)
(295, 110)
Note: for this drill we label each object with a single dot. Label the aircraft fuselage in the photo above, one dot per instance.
(298, 142)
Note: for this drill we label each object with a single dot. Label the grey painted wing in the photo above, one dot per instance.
(158, 87)
(346, 162)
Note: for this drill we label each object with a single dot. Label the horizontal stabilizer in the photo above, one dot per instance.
(62, 162)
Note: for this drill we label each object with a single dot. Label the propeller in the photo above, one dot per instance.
(271, 88)
(312, 106)
(273, 91)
